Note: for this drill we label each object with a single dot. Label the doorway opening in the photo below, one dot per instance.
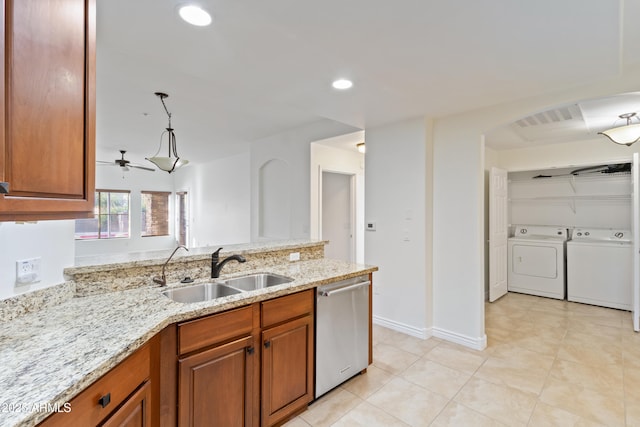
(338, 215)
(337, 175)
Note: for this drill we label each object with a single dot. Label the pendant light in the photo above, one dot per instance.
(624, 135)
(173, 161)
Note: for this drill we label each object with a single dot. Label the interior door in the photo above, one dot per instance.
(498, 233)
(635, 224)
(337, 215)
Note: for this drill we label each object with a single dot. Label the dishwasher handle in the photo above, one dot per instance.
(343, 289)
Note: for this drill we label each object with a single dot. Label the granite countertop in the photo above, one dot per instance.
(49, 356)
(93, 263)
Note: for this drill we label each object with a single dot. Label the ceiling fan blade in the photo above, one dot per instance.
(132, 165)
(125, 164)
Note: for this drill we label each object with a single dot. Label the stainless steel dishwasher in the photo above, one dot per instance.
(342, 332)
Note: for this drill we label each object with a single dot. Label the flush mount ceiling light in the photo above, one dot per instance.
(342, 84)
(624, 135)
(361, 147)
(195, 15)
(173, 161)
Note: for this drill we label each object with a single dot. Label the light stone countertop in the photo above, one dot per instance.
(94, 263)
(49, 356)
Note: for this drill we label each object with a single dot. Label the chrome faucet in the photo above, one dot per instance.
(216, 264)
(162, 279)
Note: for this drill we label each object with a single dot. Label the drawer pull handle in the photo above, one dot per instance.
(267, 344)
(4, 188)
(105, 400)
(250, 350)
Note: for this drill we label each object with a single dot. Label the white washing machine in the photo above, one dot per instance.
(600, 267)
(536, 257)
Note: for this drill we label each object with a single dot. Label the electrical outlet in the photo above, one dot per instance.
(28, 270)
(294, 256)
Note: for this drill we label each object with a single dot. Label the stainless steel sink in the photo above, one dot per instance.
(257, 281)
(200, 292)
(224, 288)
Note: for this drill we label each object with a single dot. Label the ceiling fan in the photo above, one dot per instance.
(125, 164)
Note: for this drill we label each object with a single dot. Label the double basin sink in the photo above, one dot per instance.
(224, 288)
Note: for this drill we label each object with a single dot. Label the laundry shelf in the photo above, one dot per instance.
(572, 200)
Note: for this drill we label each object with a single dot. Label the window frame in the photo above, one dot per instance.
(98, 214)
(182, 228)
(143, 227)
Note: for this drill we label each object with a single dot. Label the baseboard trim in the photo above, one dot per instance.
(474, 343)
(422, 333)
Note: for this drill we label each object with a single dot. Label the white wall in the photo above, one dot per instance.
(458, 253)
(330, 159)
(293, 148)
(134, 180)
(219, 196)
(50, 240)
(397, 198)
(580, 153)
(490, 160)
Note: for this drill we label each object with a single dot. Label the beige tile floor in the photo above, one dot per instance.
(548, 363)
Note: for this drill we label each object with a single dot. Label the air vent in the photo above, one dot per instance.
(551, 116)
(556, 125)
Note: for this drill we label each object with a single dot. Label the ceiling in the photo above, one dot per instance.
(266, 67)
(575, 122)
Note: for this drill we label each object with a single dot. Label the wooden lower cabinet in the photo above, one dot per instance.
(287, 369)
(122, 397)
(247, 367)
(134, 412)
(218, 370)
(216, 386)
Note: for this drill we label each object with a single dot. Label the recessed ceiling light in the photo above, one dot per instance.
(342, 84)
(195, 15)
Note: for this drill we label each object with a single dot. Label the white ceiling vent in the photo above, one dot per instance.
(561, 123)
(551, 116)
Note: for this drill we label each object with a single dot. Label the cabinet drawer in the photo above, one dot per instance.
(134, 412)
(200, 333)
(112, 389)
(288, 307)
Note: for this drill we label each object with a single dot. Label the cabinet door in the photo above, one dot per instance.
(134, 412)
(215, 386)
(47, 143)
(287, 369)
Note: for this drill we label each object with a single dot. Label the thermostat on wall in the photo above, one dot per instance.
(371, 226)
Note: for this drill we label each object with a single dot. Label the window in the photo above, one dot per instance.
(182, 216)
(155, 213)
(111, 219)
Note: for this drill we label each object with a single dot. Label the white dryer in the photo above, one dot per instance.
(600, 267)
(536, 257)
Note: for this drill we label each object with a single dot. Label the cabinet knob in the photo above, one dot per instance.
(250, 350)
(105, 400)
(267, 344)
(4, 188)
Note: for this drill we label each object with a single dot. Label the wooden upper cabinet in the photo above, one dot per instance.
(47, 145)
